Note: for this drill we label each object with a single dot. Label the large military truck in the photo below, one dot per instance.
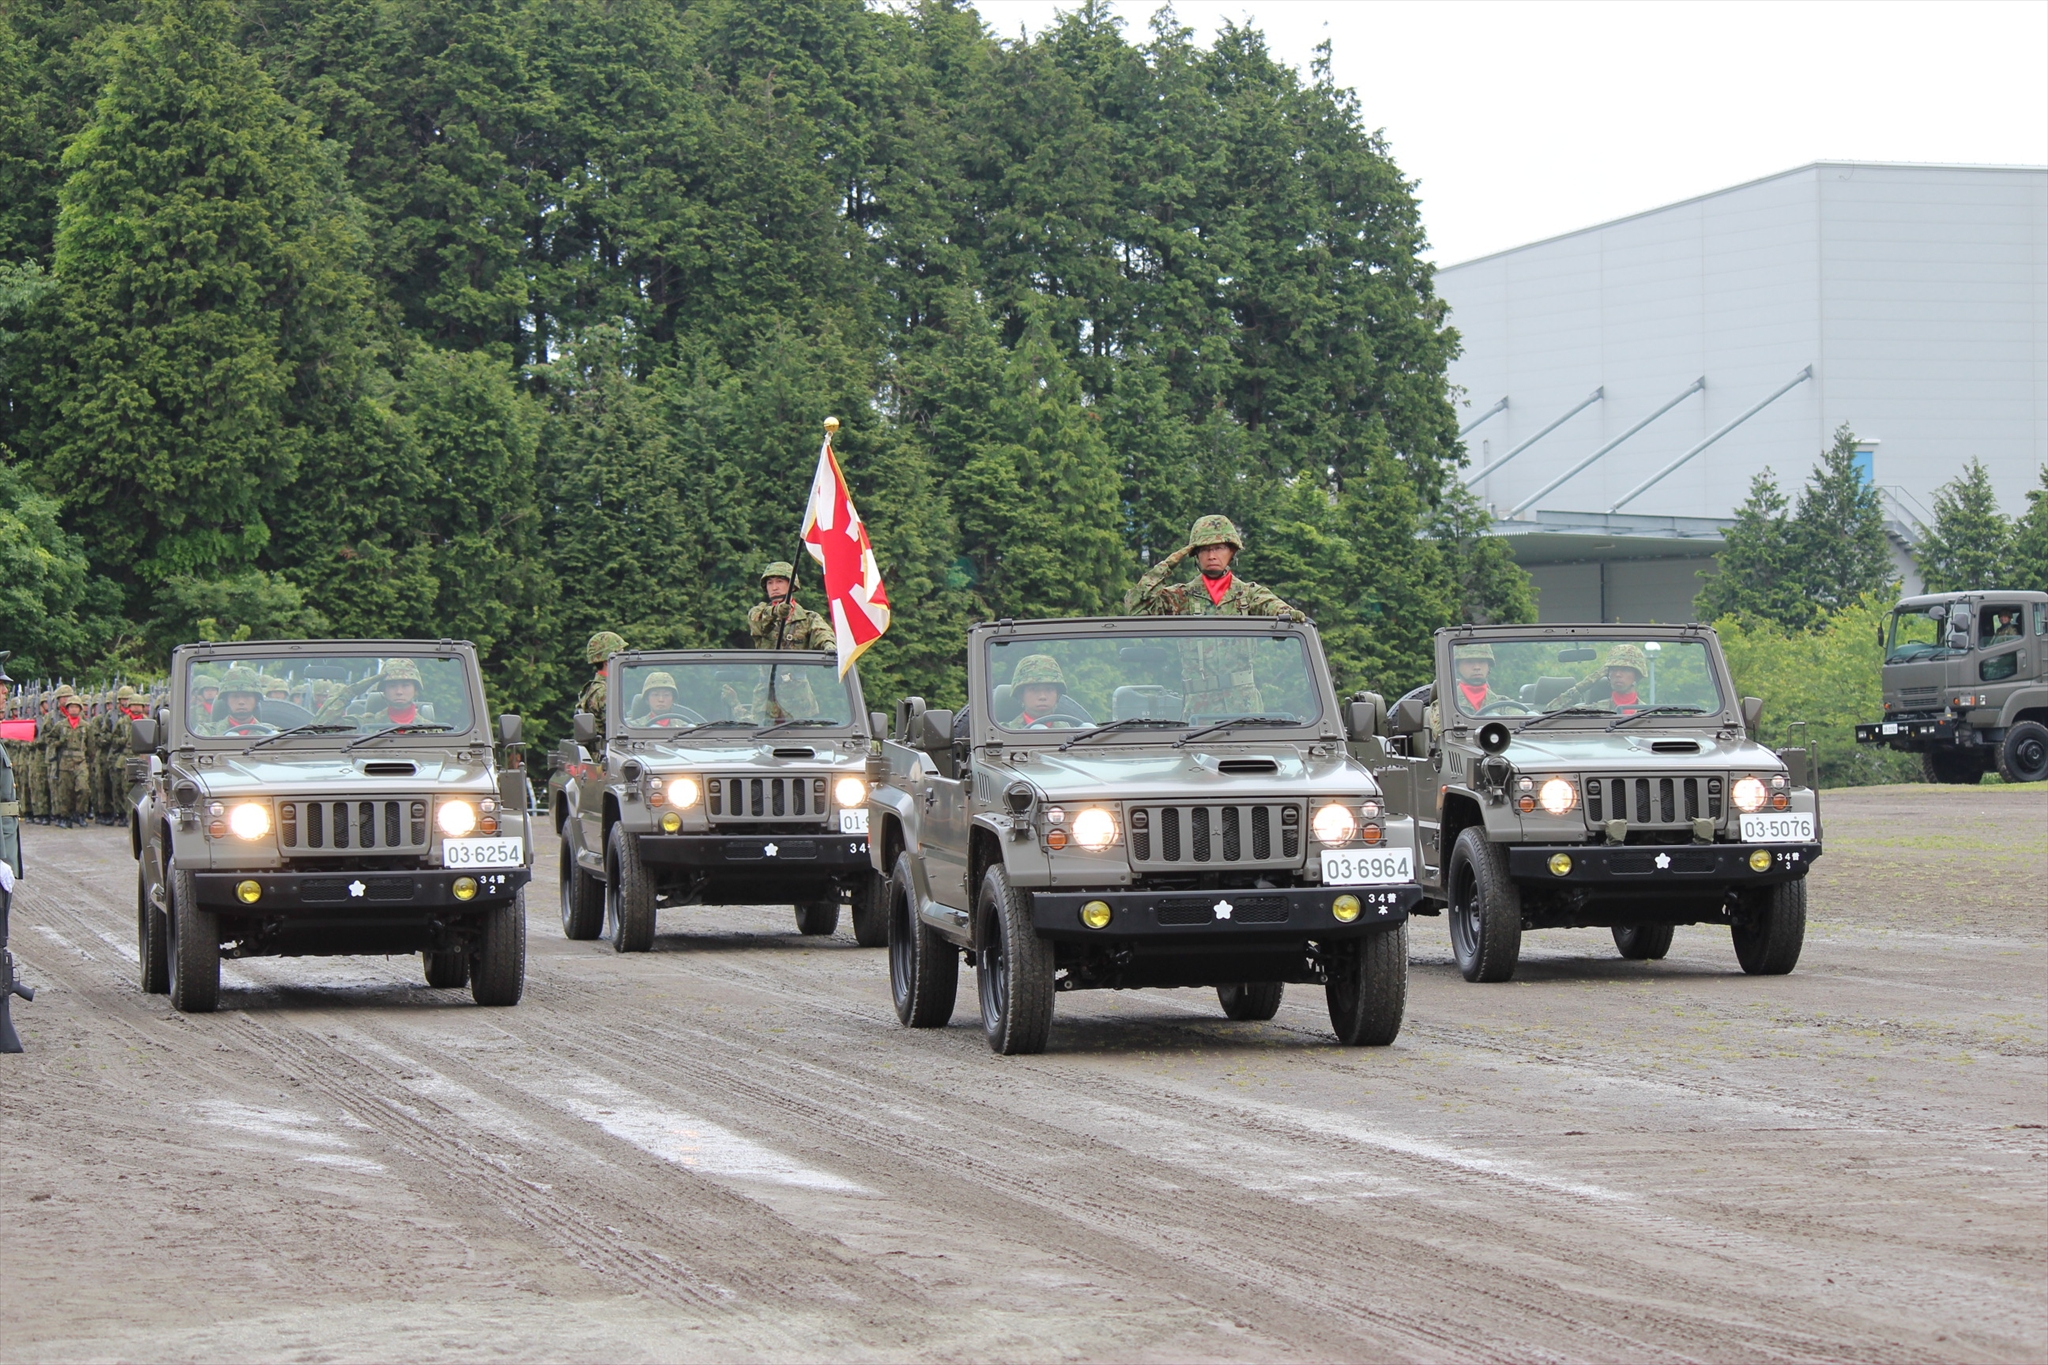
(721, 777)
(316, 797)
(1140, 802)
(1598, 776)
(1966, 685)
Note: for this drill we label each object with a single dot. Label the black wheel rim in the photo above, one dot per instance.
(994, 979)
(1464, 911)
(902, 946)
(613, 920)
(568, 873)
(2030, 758)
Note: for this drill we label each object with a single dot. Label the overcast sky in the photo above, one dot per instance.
(1523, 120)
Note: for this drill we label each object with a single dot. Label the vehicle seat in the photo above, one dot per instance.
(1145, 701)
(1544, 691)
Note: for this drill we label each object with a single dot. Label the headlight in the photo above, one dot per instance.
(1095, 829)
(456, 818)
(1558, 796)
(683, 792)
(1335, 824)
(850, 791)
(250, 820)
(1749, 795)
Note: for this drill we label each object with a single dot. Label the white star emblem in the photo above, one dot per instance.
(768, 850)
(1223, 909)
(356, 887)
(1663, 861)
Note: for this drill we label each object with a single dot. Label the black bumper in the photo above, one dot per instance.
(832, 855)
(1917, 732)
(1682, 866)
(1249, 916)
(373, 895)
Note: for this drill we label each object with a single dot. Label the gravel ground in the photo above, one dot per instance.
(727, 1149)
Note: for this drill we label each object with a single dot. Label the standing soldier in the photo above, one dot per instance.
(781, 622)
(68, 790)
(25, 784)
(205, 687)
(129, 705)
(45, 758)
(1216, 675)
(603, 645)
(10, 868)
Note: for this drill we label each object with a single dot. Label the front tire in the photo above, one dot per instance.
(628, 895)
(446, 970)
(1768, 938)
(1013, 970)
(817, 919)
(871, 912)
(193, 948)
(1643, 942)
(924, 969)
(1251, 1001)
(2024, 755)
(1485, 908)
(582, 897)
(152, 935)
(497, 966)
(1368, 987)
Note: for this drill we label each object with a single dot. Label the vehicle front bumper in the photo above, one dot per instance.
(374, 895)
(786, 854)
(1917, 731)
(1246, 915)
(1682, 866)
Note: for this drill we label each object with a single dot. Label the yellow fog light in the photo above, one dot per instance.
(1345, 908)
(671, 822)
(1760, 861)
(248, 893)
(250, 820)
(1560, 863)
(1095, 914)
(464, 888)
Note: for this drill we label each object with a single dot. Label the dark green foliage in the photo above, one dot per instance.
(1758, 574)
(1970, 543)
(2029, 567)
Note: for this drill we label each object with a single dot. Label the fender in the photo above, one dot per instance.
(2024, 700)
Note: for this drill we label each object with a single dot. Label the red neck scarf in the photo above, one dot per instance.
(1475, 694)
(405, 717)
(1216, 587)
(1625, 703)
(75, 721)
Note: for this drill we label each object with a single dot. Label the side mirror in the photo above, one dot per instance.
(586, 729)
(935, 732)
(1752, 713)
(511, 729)
(878, 725)
(142, 735)
(1958, 639)
(907, 712)
(1365, 715)
(1408, 718)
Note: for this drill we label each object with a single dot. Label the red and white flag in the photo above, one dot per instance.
(838, 540)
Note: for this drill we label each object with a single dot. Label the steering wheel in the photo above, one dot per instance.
(682, 715)
(1067, 721)
(248, 728)
(1497, 708)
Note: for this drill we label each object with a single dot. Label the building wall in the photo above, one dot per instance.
(1619, 589)
(1918, 293)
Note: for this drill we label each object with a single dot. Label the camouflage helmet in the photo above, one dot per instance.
(202, 681)
(604, 644)
(1482, 650)
(1037, 668)
(242, 680)
(272, 683)
(780, 568)
(126, 695)
(655, 680)
(401, 670)
(1628, 656)
(64, 693)
(1215, 529)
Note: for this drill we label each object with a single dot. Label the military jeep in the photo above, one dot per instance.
(1573, 776)
(1140, 802)
(722, 777)
(318, 797)
(1966, 685)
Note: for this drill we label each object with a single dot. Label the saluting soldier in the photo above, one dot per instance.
(782, 622)
(1217, 675)
(603, 646)
(1614, 686)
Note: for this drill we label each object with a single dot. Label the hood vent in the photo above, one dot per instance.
(1247, 765)
(1675, 746)
(390, 769)
(796, 753)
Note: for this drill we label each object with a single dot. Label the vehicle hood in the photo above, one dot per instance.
(322, 774)
(687, 757)
(1625, 751)
(1164, 774)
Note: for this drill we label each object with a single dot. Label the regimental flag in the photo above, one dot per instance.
(838, 540)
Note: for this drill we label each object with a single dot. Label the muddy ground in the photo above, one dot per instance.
(727, 1149)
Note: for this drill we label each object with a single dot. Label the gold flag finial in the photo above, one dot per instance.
(831, 425)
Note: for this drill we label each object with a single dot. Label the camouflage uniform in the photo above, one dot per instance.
(1216, 675)
(798, 626)
(602, 646)
(70, 793)
(202, 711)
(1596, 691)
(46, 759)
(238, 680)
(1433, 714)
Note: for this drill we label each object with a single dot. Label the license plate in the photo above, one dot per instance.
(1368, 867)
(1891, 727)
(1790, 827)
(507, 852)
(853, 821)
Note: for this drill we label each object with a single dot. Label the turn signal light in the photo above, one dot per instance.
(1560, 864)
(1372, 834)
(248, 893)
(1055, 839)
(1779, 801)
(1095, 914)
(1346, 908)
(1525, 803)
(464, 888)
(1760, 861)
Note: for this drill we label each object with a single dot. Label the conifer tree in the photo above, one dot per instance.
(1970, 543)
(1758, 573)
(2029, 568)
(1839, 530)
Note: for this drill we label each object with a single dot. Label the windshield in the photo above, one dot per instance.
(1617, 675)
(679, 694)
(333, 695)
(1150, 682)
(1919, 632)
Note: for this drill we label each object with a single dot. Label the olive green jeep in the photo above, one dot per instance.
(1572, 776)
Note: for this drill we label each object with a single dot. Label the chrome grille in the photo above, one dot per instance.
(1653, 802)
(384, 824)
(1214, 835)
(745, 800)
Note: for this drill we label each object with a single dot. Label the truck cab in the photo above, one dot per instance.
(1966, 685)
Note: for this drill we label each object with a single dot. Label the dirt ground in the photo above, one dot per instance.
(726, 1149)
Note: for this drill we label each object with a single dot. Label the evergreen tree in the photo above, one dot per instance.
(1970, 543)
(1838, 528)
(2029, 562)
(53, 612)
(1758, 574)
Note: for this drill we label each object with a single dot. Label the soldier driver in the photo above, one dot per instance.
(240, 691)
(781, 622)
(657, 703)
(1474, 665)
(1035, 686)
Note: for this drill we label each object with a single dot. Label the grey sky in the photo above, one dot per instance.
(1523, 120)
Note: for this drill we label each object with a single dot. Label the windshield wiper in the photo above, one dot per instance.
(1128, 723)
(1234, 720)
(692, 729)
(396, 730)
(1659, 711)
(1568, 711)
(310, 728)
(785, 724)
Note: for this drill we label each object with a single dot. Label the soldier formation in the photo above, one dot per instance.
(74, 770)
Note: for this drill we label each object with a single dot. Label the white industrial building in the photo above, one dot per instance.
(1621, 384)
